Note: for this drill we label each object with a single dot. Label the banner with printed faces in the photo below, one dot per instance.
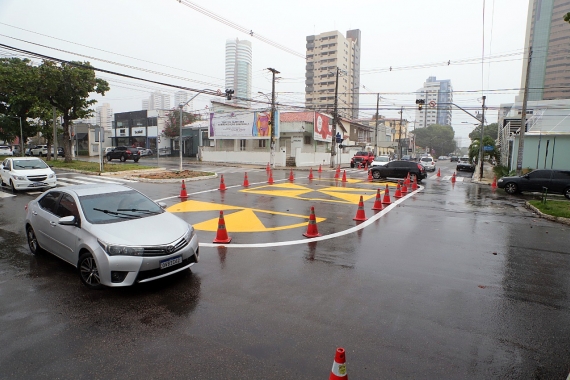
(323, 128)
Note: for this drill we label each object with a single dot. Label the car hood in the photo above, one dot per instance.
(516, 177)
(27, 172)
(152, 230)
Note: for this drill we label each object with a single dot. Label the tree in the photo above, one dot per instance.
(567, 17)
(172, 124)
(67, 87)
(474, 149)
(489, 130)
(439, 138)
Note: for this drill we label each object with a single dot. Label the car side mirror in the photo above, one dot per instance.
(163, 205)
(67, 221)
(526, 176)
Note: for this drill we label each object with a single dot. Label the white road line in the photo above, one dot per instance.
(97, 179)
(6, 195)
(73, 180)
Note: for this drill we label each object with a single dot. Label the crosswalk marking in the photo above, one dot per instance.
(106, 180)
(6, 195)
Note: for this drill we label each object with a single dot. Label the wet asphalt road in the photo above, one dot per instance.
(456, 282)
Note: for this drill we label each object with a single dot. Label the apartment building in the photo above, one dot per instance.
(238, 71)
(437, 96)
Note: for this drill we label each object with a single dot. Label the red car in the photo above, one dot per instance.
(362, 158)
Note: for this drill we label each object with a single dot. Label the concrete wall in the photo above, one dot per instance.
(242, 157)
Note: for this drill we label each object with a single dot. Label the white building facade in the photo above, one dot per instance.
(238, 70)
(104, 116)
(156, 101)
(182, 97)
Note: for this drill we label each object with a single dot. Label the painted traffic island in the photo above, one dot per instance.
(171, 175)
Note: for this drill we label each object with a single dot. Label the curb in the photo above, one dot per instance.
(170, 180)
(546, 216)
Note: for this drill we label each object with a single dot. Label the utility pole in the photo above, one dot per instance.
(272, 144)
(425, 109)
(400, 135)
(54, 135)
(523, 116)
(481, 148)
(335, 119)
(376, 129)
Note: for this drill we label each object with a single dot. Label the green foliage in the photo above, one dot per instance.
(555, 208)
(437, 137)
(172, 124)
(474, 149)
(490, 130)
(567, 17)
(503, 171)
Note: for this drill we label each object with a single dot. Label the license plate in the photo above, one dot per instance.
(38, 184)
(170, 262)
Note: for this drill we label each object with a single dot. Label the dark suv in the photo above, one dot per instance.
(554, 181)
(124, 153)
(399, 169)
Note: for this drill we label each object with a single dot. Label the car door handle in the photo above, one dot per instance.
(52, 223)
(34, 213)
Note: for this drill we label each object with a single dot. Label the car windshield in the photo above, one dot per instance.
(426, 159)
(116, 207)
(382, 159)
(29, 164)
(464, 159)
(362, 154)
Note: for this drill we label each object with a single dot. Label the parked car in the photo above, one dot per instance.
(363, 158)
(5, 150)
(554, 181)
(145, 151)
(465, 164)
(399, 169)
(16, 150)
(454, 159)
(428, 163)
(380, 161)
(60, 151)
(109, 149)
(124, 153)
(25, 173)
(40, 150)
(406, 158)
(100, 229)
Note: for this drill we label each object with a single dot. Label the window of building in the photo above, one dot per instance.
(307, 140)
(242, 144)
(262, 143)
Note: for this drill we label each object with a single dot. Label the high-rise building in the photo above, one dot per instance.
(238, 70)
(437, 96)
(157, 101)
(182, 97)
(548, 35)
(104, 116)
(325, 53)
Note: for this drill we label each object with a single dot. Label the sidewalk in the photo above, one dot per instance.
(488, 174)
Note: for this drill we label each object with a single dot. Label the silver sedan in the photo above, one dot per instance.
(113, 234)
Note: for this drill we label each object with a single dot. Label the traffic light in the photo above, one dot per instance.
(229, 94)
(420, 103)
(340, 146)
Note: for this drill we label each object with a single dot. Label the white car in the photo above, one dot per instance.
(5, 150)
(380, 161)
(40, 150)
(26, 173)
(428, 163)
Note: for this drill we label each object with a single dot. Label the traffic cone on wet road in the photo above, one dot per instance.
(291, 177)
(338, 371)
(222, 184)
(344, 176)
(311, 173)
(360, 215)
(183, 193)
(439, 172)
(267, 168)
(494, 184)
(369, 175)
(453, 178)
(415, 184)
(359, 165)
(270, 180)
(222, 234)
(320, 169)
(407, 180)
(398, 193)
(377, 202)
(404, 188)
(337, 173)
(386, 200)
(245, 181)
(312, 230)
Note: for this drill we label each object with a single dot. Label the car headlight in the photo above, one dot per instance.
(19, 177)
(190, 234)
(121, 250)
(51, 175)
(500, 180)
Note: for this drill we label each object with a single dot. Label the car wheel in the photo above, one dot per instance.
(33, 241)
(12, 186)
(511, 188)
(352, 165)
(567, 192)
(136, 160)
(123, 158)
(88, 271)
(376, 174)
(109, 158)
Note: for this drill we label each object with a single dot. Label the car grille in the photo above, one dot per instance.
(163, 250)
(143, 275)
(37, 178)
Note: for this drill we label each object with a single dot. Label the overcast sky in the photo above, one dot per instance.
(168, 41)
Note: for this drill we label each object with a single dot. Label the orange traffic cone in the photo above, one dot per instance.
(291, 177)
(222, 184)
(415, 184)
(359, 165)
(407, 180)
(494, 184)
(337, 173)
(311, 174)
(338, 371)
(338, 170)
(360, 216)
(377, 203)
(183, 193)
(439, 172)
(270, 180)
(245, 181)
(386, 200)
(312, 230)
(404, 188)
(344, 176)
(222, 234)
(320, 169)
(398, 193)
(365, 165)
(267, 168)
(370, 176)
(453, 178)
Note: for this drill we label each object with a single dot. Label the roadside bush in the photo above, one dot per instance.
(503, 171)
